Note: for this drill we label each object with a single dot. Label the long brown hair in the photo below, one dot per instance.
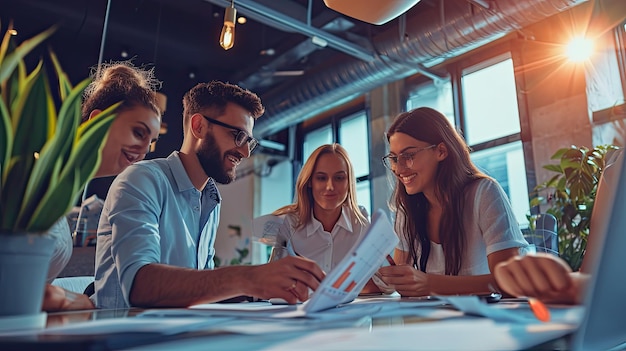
(453, 175)
(304, 195)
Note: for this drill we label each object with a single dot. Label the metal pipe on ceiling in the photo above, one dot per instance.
(427, 41)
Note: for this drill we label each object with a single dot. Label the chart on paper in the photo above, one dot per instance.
(345, 282)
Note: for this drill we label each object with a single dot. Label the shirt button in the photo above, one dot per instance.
(196, 208)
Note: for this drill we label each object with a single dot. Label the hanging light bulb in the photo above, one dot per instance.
(227, 37)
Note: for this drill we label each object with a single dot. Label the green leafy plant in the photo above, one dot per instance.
(570, 195)
(46, 155)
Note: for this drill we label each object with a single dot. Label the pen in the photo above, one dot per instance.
(390, 260)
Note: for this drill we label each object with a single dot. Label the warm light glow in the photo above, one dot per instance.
(242, 20)
(227, 37)
(579, 49)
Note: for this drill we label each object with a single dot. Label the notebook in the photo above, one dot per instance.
(604, 323)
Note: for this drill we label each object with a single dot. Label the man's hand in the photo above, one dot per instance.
(289, 278)
(543, 276)
(58, 299)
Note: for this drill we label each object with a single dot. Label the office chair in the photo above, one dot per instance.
(545, 236)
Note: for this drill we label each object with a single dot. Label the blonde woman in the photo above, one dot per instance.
(325, 221)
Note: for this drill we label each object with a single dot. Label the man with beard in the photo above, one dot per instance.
(160, 217)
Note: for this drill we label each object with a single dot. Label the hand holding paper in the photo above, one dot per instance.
(347, 279)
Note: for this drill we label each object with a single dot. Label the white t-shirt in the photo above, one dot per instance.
(489, 224)
(326, 249)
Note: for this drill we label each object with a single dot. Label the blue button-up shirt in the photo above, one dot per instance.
(153, 214)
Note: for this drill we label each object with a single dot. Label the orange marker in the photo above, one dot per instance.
(539, 309)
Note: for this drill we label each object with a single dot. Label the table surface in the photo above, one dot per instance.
(217, 337)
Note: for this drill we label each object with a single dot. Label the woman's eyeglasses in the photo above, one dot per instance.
(240, 138)
(406, 158)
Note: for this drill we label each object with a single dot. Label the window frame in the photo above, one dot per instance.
(334, 120)
(472, 63)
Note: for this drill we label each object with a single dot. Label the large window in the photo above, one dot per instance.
(489, 122)
(490, 102)
(353, 136)
(316, 138)
(436, 95)
(492, 128)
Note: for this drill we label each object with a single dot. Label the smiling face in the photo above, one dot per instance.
(329, 182)
(420, 176)
(218, 154)
(129, 139)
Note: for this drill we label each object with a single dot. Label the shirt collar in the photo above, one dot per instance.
(344, 221)
(212, 190)
(183, 182)
(178, 172)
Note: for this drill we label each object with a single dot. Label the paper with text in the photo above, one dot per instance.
(346, 280)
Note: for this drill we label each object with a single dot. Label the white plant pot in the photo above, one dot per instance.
(24, 262)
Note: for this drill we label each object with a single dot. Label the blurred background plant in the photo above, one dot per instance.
(570, 195)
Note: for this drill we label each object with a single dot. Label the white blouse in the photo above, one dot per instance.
(313, 242)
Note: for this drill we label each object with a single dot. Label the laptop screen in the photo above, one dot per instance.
(604, 325)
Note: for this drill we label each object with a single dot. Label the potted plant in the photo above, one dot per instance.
(570, 195)
(46, 158)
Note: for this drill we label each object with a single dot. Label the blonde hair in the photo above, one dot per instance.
(304, 196)
(121, 81)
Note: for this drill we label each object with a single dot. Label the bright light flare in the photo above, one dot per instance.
(579, 49)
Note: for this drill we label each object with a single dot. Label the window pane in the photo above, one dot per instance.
(363, 196)
(315, 139)
(490, 103)
(353, 137)
(505, 163)
(433, 95)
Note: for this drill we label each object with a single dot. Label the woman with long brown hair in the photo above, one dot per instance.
(454, 222)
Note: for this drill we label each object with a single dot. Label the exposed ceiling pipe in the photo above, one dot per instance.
(462, 27)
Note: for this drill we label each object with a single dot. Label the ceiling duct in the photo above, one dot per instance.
(461, 27)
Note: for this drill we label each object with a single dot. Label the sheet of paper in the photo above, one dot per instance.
(519, 313)
(454, 334)
(161, 325)
(266, 311)
(253, 310)
(346, 280)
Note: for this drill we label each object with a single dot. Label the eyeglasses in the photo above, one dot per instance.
(406, 158)
(241, 136)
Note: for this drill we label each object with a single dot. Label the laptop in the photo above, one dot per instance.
(604, 324)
